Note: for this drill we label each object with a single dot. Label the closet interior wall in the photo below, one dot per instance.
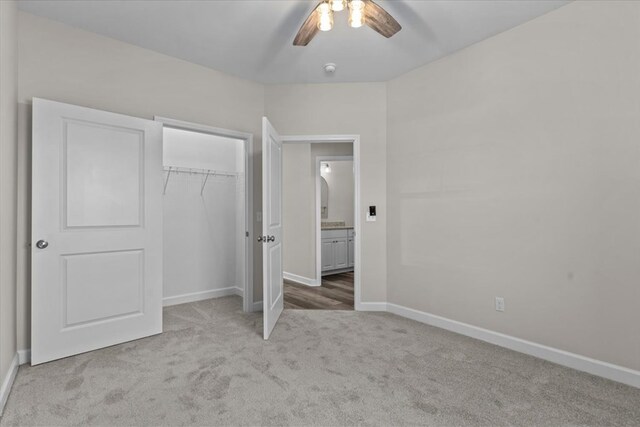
(204, 227)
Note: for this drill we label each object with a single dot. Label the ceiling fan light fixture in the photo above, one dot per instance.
(361, 12)
(325, 16)
(356, 13)
(337, 5)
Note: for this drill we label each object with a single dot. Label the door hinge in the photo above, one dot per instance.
(246, 233)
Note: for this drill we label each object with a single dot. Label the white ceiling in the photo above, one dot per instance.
(253, 38)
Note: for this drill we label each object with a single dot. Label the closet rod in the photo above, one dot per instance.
(176, 169)
(206, 172)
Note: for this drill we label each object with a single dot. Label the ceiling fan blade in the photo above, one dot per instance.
(308, 30)
(380, 20)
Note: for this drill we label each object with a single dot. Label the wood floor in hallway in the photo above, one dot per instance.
(336, 293)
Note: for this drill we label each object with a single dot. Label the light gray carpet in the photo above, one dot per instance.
(211, 367)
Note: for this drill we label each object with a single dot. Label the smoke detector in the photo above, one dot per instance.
(330, 68)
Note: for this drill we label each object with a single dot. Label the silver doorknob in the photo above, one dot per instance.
(271, 238)
(260, 239)
(42, 244)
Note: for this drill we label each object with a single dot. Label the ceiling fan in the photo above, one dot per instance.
(361, 12)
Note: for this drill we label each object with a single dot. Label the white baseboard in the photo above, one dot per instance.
(300, 279)
(7, 382)
(258, 306)
(371, 306)
(199, 296)
(24, 356)
(561, 357)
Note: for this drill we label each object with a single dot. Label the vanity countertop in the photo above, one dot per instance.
(338, 227)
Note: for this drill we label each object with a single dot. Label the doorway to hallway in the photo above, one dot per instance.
(319, 266)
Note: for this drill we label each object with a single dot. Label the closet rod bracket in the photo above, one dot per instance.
(204, 182)
(166, 181)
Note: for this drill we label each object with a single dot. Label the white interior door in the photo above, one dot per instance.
(272, 288)
(96, 229)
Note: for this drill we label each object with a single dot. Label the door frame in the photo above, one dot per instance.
(318, 223)
(247, 138)
(339, 139)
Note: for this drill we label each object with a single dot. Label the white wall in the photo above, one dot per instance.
(299, 203)
(197, 150)
(200, 235)
(358, 108)
(203, 234)
(514, 171)
(70, 65)
(341, 191)
(8, 193)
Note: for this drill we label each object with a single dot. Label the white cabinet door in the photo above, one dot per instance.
(352, 253)
(96, 228)
(340, 253)
(272, 290)
(327, 255)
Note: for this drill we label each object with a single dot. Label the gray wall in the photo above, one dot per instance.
(298, 203)
(514, 171)
(341, 186)
(8, 194)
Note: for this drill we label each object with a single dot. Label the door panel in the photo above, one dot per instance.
(273, 298)
(103, 167)
(327, 256)
(275, 266)
(340, 251)
(100, 286)
(97, 203)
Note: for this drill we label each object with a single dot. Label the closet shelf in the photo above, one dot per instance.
(192, 171)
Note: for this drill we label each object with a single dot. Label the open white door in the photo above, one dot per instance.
(96, 229)
(272, 285)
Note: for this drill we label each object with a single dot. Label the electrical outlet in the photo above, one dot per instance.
(499, 304)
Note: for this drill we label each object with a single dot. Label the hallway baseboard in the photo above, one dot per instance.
(300, 279)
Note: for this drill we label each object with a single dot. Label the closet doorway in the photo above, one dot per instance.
(206, 222)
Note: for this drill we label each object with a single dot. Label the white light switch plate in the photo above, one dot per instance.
(259, 216)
